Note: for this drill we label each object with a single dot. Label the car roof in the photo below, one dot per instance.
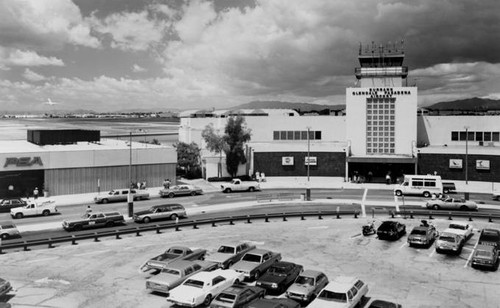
(258, 251)
(341, 284)
(424, 228)
(237, 289)
(461, 223)
(283, 264)
(165, 205)
(180, 264)
(485, 247)
(311, 273)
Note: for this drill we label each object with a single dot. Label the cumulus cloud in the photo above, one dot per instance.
(33, 76)
(138, 69)
(43, 24)
(15, 57)
(131, 31)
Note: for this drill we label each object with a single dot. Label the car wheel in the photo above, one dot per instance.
(207, 300)
(399, 193)
(256, 275)
(427, 194)
(251, 189)
(19, 215)
(464, 208)
(171, 195)
(229, 264)
(146, 220)
(446, 191)
(78, 228)
(227, 190)
(173, 216)
(104, 201)
(110, 224)
(46, 213)
(435, 207)
(5, 236)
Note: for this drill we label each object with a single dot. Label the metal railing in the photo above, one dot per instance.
(194, 224)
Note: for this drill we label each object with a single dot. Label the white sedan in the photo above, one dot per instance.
(452, 204)
(202, 287)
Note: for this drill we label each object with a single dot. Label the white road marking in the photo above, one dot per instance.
(41, 260)
(402, 246)
(432, 253)
(318, 227)
(91, 253)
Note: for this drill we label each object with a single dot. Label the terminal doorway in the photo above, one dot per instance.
(22, 183)
(376, 172)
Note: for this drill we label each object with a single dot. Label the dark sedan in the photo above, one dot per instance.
(7, 204)
(236, 296)
(279, 277)
(391, 230)
(273, 303)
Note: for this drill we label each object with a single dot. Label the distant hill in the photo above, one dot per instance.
(303, 107)
(468, 104)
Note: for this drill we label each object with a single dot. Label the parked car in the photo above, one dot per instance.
(94, 220)
(229, 254)
(343, 291)
(489, 237)
(451, 204)
(117, 195)
(180, 190)
(34, 208)
(256, 262)
(161, 211)
(307, 286)
(172, 254)
(496, 195)
(461, 228)
(422, 235)
(391, 230)
(5, 287)
(273, 303)
(449, 242)
(236, 296)
(279, 277)
(239, 185)
(7, 204)
(202, 287)
(175, 273)
(379, 303)
(8, 230)
(485, 256)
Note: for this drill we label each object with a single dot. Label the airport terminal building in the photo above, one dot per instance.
(64, 162)
(381, 132)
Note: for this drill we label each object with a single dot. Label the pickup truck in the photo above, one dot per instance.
(461, 228)
(44, 208)
(172, 254)
(94, 220)
(490, 237)
(229, 254)
(256, 262)
(239, 185)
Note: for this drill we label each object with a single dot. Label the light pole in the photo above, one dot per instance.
(130, 199)
(466, 155)
(308, 189)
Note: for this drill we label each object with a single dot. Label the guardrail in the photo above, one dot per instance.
(283, 216)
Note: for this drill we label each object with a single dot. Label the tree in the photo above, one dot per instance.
(188, 157)
(215, 143)
(236, 135)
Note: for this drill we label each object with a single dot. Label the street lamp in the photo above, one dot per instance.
(308, 189)
(466, 155)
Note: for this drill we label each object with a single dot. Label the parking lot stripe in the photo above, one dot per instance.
(41, 260)
(471, 254)
(318, 227)
(91, 253)
(432, 253)
(402, 246)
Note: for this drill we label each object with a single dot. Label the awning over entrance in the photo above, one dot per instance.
(383, 160)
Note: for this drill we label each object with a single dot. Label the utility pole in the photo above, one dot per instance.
(466, 155)
(130, 199)
(308, 189)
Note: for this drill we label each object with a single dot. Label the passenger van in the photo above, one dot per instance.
(424, 185)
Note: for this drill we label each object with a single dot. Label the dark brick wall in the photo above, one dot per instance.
(328, 164)
(428, 163)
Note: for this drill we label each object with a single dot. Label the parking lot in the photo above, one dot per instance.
(105, 274)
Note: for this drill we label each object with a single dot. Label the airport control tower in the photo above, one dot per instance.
(381, 114)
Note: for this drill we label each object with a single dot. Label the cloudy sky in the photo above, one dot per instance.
(108, 55)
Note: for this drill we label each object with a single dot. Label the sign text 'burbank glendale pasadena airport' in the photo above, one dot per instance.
(23, 161)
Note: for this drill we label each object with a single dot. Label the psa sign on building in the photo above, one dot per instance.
(23, 161)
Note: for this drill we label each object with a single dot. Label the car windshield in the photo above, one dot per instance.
(226, 249)
(418, 232)
(450, 239)
(171, 272)
(489, 237)
(333, 296)
(305, 280)
(483, 253)
(280, 271)
(251, 258)
(460, 227)
(194, 283)
(226, 298)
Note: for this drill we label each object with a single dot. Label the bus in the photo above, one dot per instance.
(425, 185)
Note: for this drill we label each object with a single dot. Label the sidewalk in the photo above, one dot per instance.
(284, 182)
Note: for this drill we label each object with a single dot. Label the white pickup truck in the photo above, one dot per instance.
(35, 208)
(239, 185)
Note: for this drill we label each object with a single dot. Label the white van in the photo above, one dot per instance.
(424, 185)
